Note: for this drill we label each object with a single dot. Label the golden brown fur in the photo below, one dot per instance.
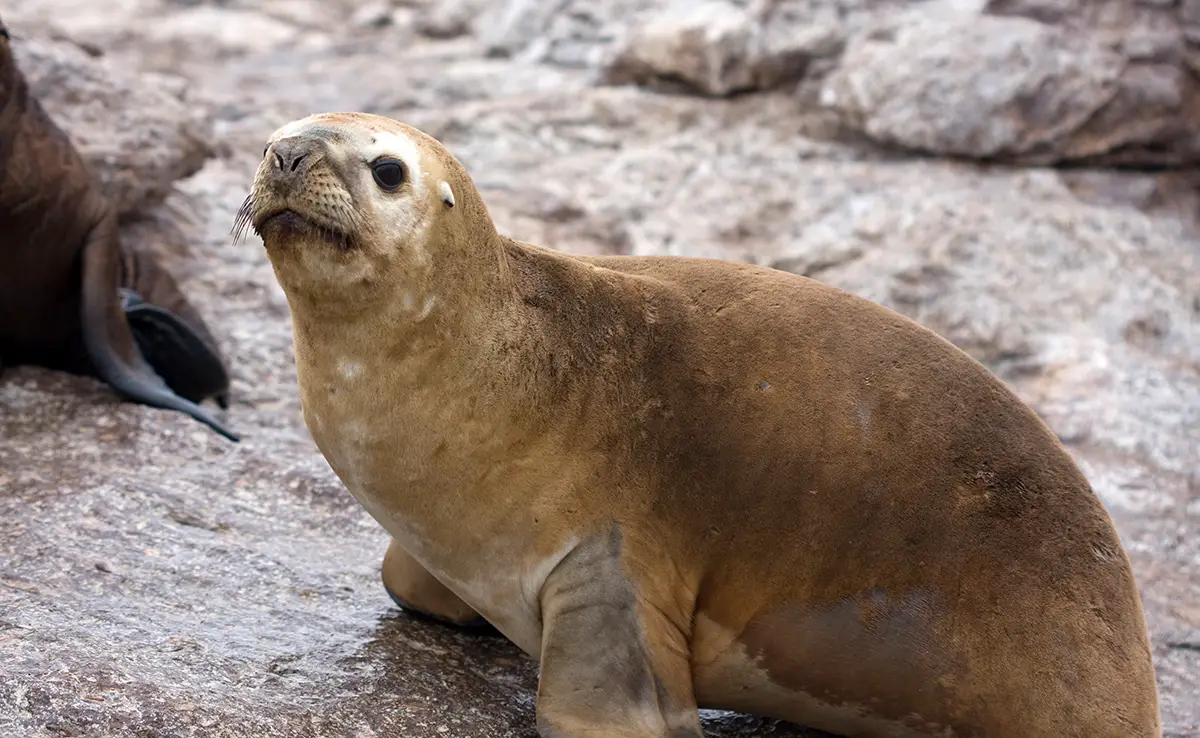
(681, 481)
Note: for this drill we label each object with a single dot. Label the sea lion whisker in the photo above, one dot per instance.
(242, 220)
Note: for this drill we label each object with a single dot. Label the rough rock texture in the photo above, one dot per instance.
(155, 580)
(718, 49)
(139, 135)
(977, 86)
(1036, 81)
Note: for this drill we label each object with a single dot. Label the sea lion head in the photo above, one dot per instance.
(353, 205)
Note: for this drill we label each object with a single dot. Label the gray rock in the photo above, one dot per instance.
(448, 19)
(711, 47)
(966, 85)
(374, 14)
(138, 133)
(718, 49)
(1048, 11)
(231, 29)
(588, 35)
(1034, 81)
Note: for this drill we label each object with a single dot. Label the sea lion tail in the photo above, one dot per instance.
(110, 342)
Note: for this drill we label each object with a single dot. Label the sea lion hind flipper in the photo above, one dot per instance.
(176, 351)
(421, 594)
(110, 342)
(605, 669)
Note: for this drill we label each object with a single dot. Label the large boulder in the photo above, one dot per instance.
(717, 48)
(1032, 81)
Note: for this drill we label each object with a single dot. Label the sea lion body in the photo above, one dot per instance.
(681, 482)
(62, 270)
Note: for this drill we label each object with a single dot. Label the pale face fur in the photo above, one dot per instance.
(354, 233)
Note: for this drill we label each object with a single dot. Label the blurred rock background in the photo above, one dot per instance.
(1019, 175)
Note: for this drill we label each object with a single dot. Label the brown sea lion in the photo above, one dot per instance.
(684, 482)
(71, 297)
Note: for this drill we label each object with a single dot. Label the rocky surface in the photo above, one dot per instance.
(155, 580)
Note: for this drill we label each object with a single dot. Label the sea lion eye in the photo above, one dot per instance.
(389, 174)
(4, 33)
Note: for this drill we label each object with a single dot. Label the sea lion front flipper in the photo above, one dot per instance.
(108, 338)
(417, 591)
(178, 354)
(609, 668)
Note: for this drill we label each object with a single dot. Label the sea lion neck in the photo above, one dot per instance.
(436, 282)
(444, 303)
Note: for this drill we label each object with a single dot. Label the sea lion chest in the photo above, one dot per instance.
(401, 453)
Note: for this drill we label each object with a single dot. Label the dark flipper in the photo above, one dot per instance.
(154, 286)
(181, 356)
(109, 340)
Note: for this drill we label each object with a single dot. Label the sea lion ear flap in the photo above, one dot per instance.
(447, 194)
(176, 352)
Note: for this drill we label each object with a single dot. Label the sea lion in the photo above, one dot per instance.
(683, 482)
(71, 296)
(414, 590)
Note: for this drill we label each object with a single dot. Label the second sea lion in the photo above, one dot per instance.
(71, 297)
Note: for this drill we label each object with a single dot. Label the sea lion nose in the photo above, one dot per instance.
(293, 154)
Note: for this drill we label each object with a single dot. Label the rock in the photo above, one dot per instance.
(1035, 81)
(139, 134)
(448, 19)
(719, 49)
(797, 44)
(983, 87)
(373, 15)
(571, 33)
(227, 28)
(1189, 15)
(1047, 11)
(712, 48)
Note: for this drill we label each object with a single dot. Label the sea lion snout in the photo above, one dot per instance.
(291, 157)
(288, 166)
(299, 194)
(359, 183)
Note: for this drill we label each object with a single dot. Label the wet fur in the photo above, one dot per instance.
(63, 270)
(683, 481)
